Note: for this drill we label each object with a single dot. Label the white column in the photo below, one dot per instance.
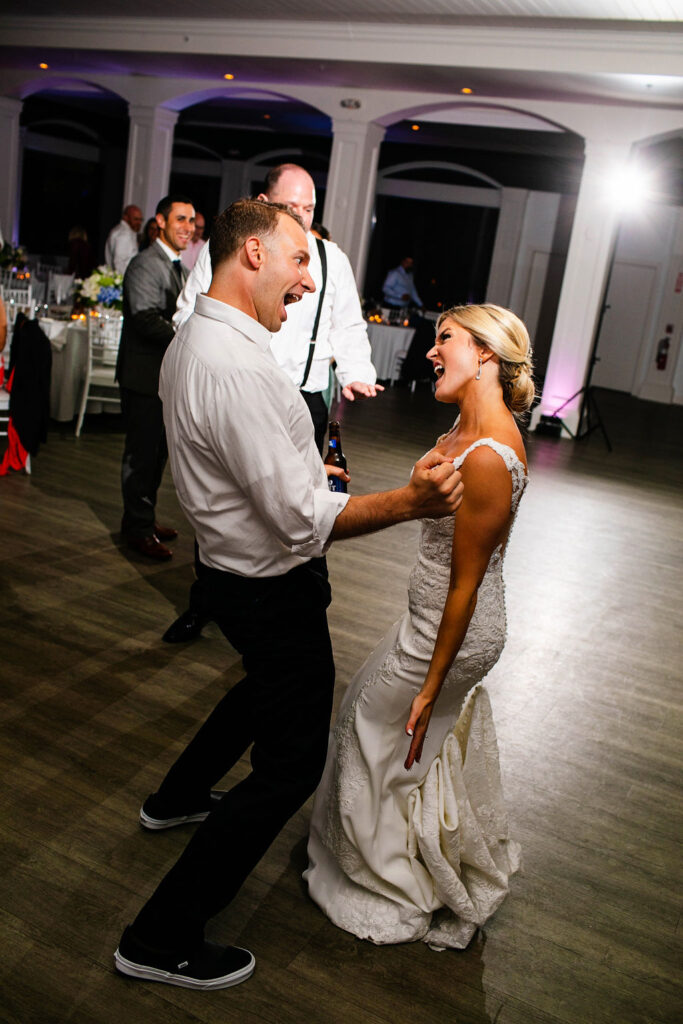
(10, 168)
(351, 185)
(590, 250)
(506, 246)
(233, 182)
(148, 166)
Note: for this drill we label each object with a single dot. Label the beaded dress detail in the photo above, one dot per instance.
(396, 855)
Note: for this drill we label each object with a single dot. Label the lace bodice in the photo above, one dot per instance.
(430, 576)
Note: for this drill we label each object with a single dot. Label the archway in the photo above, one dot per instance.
(493, 188)
(74, 146)
(247, 130)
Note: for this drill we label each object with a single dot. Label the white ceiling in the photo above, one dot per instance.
(582, 51)
(368, 10)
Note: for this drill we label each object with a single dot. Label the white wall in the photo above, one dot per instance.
(633, 323)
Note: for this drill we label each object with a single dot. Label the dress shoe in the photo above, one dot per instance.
(206, 967)
(164, 532)
(156, 815)
(151, 547)
(186, 627)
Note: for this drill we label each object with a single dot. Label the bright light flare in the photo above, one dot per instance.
(630, 187)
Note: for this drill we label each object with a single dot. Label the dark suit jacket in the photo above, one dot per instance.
(29, 402)
(151, 286)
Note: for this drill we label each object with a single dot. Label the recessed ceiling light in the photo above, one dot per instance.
(467, 91)
(44, 66)
(229, 77)
(415, 127)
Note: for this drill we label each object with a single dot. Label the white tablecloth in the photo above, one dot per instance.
(69, 343)
(386, 343)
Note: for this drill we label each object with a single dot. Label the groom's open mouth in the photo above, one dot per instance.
(288, 299)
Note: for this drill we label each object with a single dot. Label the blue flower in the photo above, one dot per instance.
(109, 295)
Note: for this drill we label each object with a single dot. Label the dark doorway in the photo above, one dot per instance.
(202, 190)
(57, 193)
(451, 244)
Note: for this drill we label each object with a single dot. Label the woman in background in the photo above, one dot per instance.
(150, 233)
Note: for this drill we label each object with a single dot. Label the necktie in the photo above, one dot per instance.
(178, 273)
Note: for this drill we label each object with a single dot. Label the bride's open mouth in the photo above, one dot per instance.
(439, 370)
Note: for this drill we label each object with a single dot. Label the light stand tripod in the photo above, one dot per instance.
(589, 414)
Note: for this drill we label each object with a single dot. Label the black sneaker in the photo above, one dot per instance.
(154, 814)
(208, 967)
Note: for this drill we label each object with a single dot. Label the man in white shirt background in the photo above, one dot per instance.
(196, 243)
(251, 482)
(342, 335)
(399, 287)
(122, 242)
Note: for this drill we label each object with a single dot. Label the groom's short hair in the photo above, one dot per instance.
(241, 220)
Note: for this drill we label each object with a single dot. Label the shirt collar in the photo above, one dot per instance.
(168, 251)
(247, 325)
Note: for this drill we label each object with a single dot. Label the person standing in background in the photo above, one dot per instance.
(122, 242)
(81, 260)
(150, 233)
(399, 287)
(151, 287)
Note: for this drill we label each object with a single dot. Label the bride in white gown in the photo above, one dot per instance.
(409, 837)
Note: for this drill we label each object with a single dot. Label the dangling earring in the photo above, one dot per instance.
(478, 377)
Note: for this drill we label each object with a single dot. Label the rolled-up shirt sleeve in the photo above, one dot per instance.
(287, 490)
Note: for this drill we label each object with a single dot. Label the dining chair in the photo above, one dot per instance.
(104, 335)
(18, 299)
(59, 287)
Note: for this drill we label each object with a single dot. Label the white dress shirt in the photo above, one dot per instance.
(342, 332)
(241, 447)
(120, 247)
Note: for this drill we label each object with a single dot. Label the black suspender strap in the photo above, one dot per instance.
(311, 348)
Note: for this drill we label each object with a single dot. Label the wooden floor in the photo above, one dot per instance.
(586, 699)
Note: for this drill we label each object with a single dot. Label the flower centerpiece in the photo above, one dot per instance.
(12, 258)
(102, 289)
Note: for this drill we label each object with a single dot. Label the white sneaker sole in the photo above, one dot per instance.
(155, 974)
(158, 823)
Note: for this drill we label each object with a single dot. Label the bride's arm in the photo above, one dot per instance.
(480, 525)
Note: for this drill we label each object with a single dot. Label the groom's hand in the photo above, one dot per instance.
(436, 486)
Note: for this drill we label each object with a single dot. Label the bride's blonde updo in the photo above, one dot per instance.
(505, 335)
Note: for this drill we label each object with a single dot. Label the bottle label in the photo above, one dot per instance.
(335, 483)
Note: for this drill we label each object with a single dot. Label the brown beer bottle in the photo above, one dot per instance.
(335, 457)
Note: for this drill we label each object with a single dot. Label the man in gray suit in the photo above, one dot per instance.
(151, 287)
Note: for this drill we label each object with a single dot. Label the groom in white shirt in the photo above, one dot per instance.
(250, 480)
(341, 335)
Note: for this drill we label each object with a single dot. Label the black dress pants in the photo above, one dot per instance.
(319, 414)
(144, 458)
(282, 706)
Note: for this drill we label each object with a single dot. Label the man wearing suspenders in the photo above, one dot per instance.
(325, 326)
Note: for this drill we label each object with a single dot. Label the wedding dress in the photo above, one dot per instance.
(396, 855)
